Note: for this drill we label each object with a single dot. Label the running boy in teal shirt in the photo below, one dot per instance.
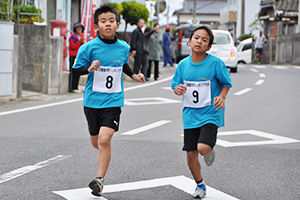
(104, 59)
(204, 82)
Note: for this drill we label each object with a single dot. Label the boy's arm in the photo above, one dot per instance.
(85, 70)
(219, 100)
(137, 77)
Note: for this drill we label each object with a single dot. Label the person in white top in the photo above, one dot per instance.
(259, 40)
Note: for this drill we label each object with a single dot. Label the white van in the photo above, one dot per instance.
(244, 51)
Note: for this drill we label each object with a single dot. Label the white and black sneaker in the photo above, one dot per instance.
(97, 186)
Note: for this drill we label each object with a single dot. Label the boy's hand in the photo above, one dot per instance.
(139, 77)
(219, 102)
(95, 65)
(180, 89)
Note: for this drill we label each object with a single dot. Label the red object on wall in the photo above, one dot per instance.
(62, 25)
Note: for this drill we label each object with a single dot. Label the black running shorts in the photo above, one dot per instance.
(109, 117)
(206, 134)
(259, 50)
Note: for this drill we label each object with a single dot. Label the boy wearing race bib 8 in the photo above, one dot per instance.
(104, 92)
(204, 81)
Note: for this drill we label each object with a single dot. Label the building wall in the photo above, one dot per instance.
(199, 18)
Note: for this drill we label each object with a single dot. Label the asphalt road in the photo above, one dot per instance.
(45, 152)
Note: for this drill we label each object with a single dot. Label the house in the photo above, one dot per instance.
(200, 12)
(279, 17)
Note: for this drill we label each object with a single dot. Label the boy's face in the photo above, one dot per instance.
(200, 41)
(107, 25)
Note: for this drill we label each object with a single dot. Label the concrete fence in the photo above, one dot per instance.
(37, 62)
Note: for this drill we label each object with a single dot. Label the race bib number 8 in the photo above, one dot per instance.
(198, 94)
(108, 80)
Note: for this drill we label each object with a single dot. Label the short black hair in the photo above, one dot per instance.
(104, 9)
(155, 24)
(211, 39)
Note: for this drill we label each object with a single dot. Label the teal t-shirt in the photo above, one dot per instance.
(113, 56)
(210, 69)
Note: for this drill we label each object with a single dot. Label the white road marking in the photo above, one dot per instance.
(259, 66)
(167, 88)
(280, 67)
(147, 127)
(149, 101)
(39, 107)
(296, 67)
(262, 75)
(79, 99)
(243, 91)
(260, 82)
(271, 138)
(254, 70)
(180, 182)
(24, 170)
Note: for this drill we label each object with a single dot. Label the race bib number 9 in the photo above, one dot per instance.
(108, 80)
(198, 94)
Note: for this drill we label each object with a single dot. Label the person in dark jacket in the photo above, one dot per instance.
(148, 32)
(75, 41)
(137, 46)
(166, 47)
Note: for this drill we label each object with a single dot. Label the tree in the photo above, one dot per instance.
(133, 11)
(256, 24)
(118, 7)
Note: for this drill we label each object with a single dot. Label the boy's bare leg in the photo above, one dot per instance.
(103, 143)
(194, 165)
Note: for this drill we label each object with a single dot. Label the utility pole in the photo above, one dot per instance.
(194, 13)
(299, 18)
(157, 11)
(243, 17)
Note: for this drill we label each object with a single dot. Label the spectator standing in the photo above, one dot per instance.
(154, 52)
(166, 47)
(147, 34)
(75, 41)
(259, 40)
(137, 46)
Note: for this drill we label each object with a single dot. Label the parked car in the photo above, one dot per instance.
(180, 48)
(244, 51)
(223, 47)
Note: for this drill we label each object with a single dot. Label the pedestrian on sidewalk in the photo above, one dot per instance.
(154, 52)
(204, 82)
(137, 46)
(147, 33)
(75, 41)
(104, 92)
(166, 47)
(259, 40)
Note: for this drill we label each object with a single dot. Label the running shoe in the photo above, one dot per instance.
(97, 186)
(258, 63)
(210, 158)
(200, 191)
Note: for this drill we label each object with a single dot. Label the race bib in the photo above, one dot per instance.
(108, 80)
(198, 94)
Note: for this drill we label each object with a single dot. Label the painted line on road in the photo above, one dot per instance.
(280, 67)
(262, 75)
(266, 138)
(149, 101)
(260, 82)
(147, 127)
(242, 91)
(39, 107)
(79, 99)
(254, 70)
(24, 170)
(180, 182)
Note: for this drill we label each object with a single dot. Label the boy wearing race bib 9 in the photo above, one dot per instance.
(104, 59)
(204, 82)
